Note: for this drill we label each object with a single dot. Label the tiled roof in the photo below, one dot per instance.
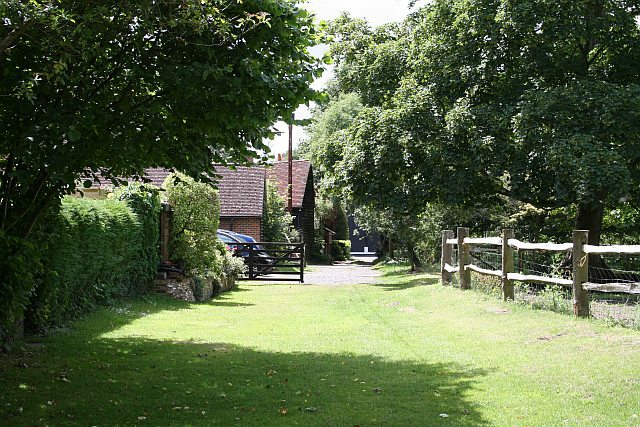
(301, 173)
(241, 191)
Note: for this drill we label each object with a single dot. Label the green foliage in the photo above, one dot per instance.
(17, 276)
(196, 215)
(277, 223)
(232, 266)
(318, 248)
(96, 251)
(117, 87)
(590, 149)
(492, 102)
(325, 144)
(193, 238)
(341, 250)
(144, 201)
(323, 212)
(121, 86)
(341, 223)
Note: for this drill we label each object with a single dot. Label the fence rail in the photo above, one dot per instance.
(578, 249)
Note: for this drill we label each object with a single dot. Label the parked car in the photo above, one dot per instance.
(233, 242)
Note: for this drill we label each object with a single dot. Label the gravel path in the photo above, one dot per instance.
(347, 273)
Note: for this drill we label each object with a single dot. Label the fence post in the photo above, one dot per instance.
(507, 265)
(302, 256)
(464, 258)
(252, 273)
(580, 273)
(447, 250)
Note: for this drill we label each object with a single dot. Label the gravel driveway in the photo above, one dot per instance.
(347, 273)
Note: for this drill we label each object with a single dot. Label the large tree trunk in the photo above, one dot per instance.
(590, 217)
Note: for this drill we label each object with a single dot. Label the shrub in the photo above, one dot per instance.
(232, 267)
(317, 248)
(194, 241)
(202, 288)
(278, 223)
(341, 250)
(97, 251)
(342, 223)
(196, 215)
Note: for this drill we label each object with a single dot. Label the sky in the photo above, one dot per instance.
(376, 12)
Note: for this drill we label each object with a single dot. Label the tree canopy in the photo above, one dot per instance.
(471, 102)
(116, 87)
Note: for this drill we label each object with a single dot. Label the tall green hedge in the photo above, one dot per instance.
(17, 273)
(98, 250)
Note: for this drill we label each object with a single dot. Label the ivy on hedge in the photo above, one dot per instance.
(97, 251)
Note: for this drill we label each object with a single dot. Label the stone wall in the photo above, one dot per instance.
(192, 289)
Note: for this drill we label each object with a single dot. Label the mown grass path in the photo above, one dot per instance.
(404, 352)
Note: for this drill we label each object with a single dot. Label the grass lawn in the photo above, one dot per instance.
(405, 352)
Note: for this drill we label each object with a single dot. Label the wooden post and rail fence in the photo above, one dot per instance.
(508, 244)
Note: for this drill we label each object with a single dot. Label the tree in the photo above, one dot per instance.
(278, 223)
(324, 144)
(526, 100)
(112, 88)
(91, 87)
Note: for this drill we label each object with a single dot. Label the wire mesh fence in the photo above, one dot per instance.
(616, 308)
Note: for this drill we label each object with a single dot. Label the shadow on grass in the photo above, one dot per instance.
(217, 302)
(400, 278)
(120, 381)
(82, 378)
